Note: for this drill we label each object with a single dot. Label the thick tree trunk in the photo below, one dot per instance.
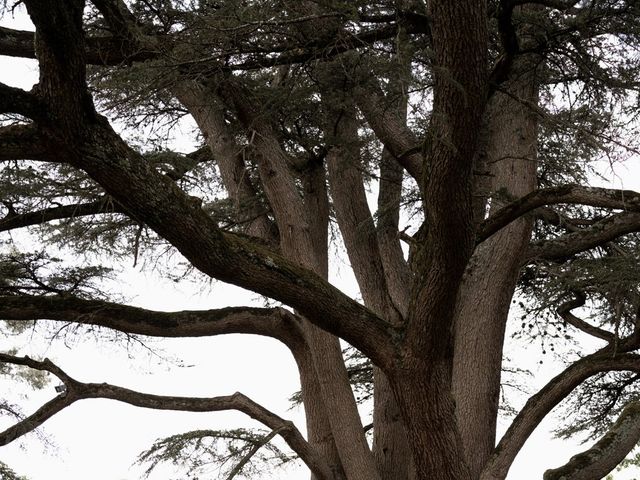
(428, 410)
(390, 442)
(490, 279)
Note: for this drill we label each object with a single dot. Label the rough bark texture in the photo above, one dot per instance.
(607, 453)
(490, 279)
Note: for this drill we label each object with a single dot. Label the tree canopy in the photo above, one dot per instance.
(450, 149)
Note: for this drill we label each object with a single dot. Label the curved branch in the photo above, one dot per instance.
(570, 194)
(47, 410)
(76, 390)
(598, 234)
(564, 311)
(540, 404)
(276, 322)
(606, 453)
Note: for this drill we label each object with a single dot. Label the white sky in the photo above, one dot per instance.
(100, 439)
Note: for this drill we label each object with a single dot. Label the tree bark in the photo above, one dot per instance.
(490, 279)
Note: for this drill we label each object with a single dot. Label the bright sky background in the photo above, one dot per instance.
(100, 439)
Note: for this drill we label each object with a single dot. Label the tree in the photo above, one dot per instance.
(481, 120)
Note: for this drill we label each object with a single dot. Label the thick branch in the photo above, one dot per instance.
(596, 462)
(99, 50)
(540, 404)
(570, 194)
(76, 390)
(296, 54)
(16, 100)
(509, 40)
(352, 211)
(598, 234)
(209, 115)
(564, 311)
(390, 128)
(272, 322)
(21, 142)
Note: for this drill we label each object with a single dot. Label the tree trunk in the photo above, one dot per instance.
(491, 276)
(428, 410)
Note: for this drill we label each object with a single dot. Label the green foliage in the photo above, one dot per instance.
(7, 473)
(596, 404)
(218, 452)
(40, 274)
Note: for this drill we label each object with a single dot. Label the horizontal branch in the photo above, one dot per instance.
(598, 234)
(606, 453)
(180, 166)
(16, 100)
(276, 322)
(76, 390)
(12, 220)
(540, 404)
(21, 142)
(627, 200)
(113, 50)
(99, 50)
(564, 311)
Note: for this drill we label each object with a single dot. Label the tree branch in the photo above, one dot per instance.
(47, 410)
(209, 115)
(76, 390)
(596, 462)
(564, 311)
(510, 44)
(598, 234)
(246, 458)
(627, 200)
(276, 322)
(540, 404)
(390, 129)
(116, 50)
(105, 51)
(13, 221)
(395, 266)
(16, 100)
(21, 142)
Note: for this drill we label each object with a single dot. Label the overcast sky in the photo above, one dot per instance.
(100, 439)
